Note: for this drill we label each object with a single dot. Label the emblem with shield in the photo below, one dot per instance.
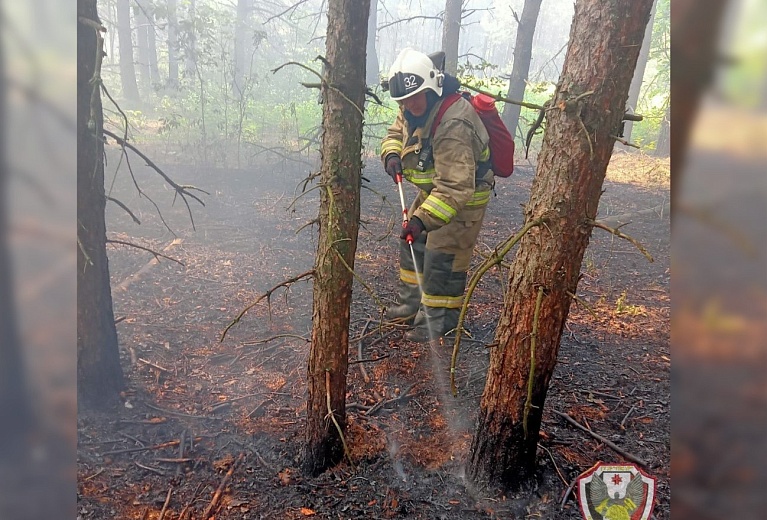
(616, 492)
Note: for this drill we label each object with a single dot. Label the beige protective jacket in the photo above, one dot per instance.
(450, 183)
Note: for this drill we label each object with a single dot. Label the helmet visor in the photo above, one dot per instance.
(403, 84)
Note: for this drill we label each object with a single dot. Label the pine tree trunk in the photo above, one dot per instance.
(451, 33)
(523, 53)
(173, 45)
(142, 46)
(663, 144)
(604, 44)
(241, 44)
(636, 82)
(341, 175)
(125, 40)
(99, 376)
(371, 67)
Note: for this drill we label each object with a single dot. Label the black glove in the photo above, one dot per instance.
(412, 230)
(394, 167)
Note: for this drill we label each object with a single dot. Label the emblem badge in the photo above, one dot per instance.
(616, 492)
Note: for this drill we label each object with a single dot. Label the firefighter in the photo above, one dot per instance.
(451, 170)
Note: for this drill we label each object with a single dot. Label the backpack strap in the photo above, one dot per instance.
(446, 103)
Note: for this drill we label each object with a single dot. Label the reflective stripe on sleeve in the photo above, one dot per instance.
(438, 208)
(480, 198)
(391, 146)
(418, 177)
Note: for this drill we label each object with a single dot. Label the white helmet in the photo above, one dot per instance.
(413, 72)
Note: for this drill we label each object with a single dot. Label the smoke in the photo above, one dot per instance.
(719, 276)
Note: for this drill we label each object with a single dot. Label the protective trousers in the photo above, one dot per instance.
(442, 258)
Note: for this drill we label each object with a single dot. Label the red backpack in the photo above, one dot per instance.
(501, 142)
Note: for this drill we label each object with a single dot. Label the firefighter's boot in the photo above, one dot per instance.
(409, 299)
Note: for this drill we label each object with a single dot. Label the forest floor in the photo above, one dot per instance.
(217, 426)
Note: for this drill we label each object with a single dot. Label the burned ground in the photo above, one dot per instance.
(200, 413)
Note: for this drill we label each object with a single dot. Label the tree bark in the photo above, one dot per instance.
(341, 176)
(371, 66)
(590, 98)
(99, 376)
(173, 45)
(125, 41)
(451, 33)
(636, 82)
(523, 53)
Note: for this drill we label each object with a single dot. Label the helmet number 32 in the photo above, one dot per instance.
(410, 82)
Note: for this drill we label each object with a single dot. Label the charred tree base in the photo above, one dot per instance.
(490, 465)
(321, 456)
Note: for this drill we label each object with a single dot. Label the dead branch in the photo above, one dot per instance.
(291, 8)
(322, 80)
(601, 439)
(359, 351)
(182, 191)
(497, 258)
(624, 142)
(531, 375)
(150, 364)
(618, 221)
(332, 417)
(551, 456)
(267, 295)
(157, 255)
(618, 234)
(145, 448)
(154, 261)
(220, 489)
(124, 207)
(165, 505)
(384, 402)
(585, 305)
(404, 20)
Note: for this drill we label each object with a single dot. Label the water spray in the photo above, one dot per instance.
(409, 238)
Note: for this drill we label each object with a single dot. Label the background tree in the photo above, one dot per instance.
(173, 45)
(639, 72)
(14, 398)
(241, 43)
(142, 47)
(590, 97)
(125, 38)
(371, 66)
(523, 53)
(99, 375)
(451, 33)
(340, 180)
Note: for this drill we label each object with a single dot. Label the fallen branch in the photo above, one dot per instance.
(333, 418)
(601, 439)
(146, 448)
(531, 375)
(384, 402)
(364, 372)
(220, 489)
(618, 234)
(165, 505)
(150, 364)
(484, 267)
(157, 255)
(267, 295)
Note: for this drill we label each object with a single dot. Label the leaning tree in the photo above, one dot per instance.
(343, 94)
(584, 118)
